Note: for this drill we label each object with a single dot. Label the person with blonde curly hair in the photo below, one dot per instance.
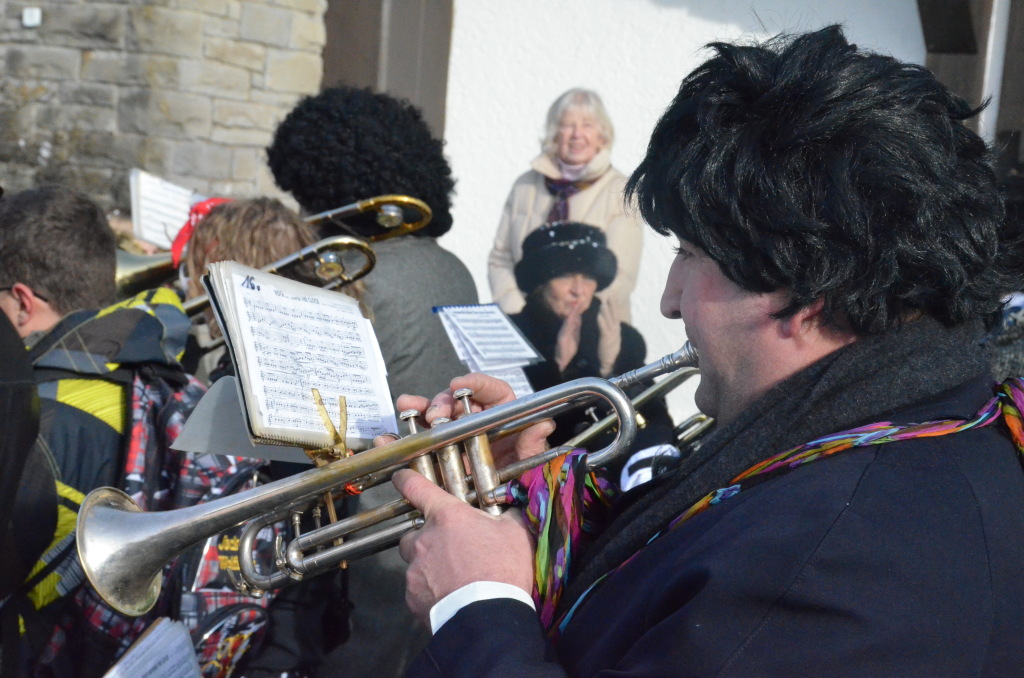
(255, 232)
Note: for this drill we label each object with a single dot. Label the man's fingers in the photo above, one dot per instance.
(412, 402)
(421, 493)
(487, 391)
(384, 439)
(441, 406)
(534, 440)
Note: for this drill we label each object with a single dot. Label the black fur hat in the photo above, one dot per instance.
(564, 248)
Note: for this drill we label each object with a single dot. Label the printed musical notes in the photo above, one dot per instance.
(486, 341)
(287, 338)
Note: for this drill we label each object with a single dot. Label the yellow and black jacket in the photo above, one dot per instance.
(113, 397)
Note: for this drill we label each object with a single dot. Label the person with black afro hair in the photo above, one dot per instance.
(338, 147)
(1008, 337)
(347, 144)
(841, 251)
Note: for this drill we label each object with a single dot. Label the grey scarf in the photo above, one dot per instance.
(858, 384)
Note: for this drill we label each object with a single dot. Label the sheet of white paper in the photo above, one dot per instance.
(164, 651)
(159, 207)
(516, 378)
(461, 350)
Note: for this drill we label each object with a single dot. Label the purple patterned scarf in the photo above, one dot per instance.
(562, 190)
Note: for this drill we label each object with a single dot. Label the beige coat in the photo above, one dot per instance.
(600, 204)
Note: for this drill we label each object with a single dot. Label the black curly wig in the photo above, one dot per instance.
(347, 144)
(807, 165)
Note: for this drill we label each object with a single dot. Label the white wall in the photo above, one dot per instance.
(511, 58)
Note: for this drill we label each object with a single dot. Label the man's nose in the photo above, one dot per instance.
(669, 302)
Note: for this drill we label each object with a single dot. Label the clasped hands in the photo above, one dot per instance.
(460, 544)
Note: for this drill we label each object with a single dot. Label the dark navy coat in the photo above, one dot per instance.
(902, 559)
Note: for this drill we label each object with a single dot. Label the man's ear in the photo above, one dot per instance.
(28, 304)
(32, 314)
(807, 319)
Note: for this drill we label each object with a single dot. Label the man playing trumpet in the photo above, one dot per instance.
(859, 508)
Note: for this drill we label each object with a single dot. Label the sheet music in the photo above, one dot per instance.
(455, 336)
(163, 651)
(159, 207)
(292, 337)
(485, 339)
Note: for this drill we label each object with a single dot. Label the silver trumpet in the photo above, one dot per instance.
(123, 549)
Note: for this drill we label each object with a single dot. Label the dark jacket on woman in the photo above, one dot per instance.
(540, 326)
(899, 559)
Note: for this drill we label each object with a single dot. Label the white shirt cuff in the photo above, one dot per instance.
(447, 607)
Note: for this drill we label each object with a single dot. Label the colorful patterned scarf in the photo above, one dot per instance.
(561, 532)
(580, 506)
(562, 190)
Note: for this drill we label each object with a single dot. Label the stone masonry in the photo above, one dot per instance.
(189, 90)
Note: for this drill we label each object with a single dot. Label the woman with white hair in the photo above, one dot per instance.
(572, 179)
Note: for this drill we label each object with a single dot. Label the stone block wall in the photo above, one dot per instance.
(190, 90)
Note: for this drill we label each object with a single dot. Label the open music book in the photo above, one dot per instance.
(286, 338)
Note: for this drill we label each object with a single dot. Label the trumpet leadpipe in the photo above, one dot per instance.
(684, 357)
(654, 391)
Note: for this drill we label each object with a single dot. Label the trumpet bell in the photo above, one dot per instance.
(114, 569)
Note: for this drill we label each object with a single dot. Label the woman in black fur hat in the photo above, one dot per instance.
(564, 265)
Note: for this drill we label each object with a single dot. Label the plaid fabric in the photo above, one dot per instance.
(152, 470)
(224, 623)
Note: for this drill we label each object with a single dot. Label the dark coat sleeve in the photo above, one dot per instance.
(499, 638)
(28, 500)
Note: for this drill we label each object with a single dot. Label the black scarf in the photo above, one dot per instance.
(858, 384)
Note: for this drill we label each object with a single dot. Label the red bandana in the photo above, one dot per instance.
(195, 215)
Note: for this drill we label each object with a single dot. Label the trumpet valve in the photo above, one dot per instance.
(422, 464)
(449, 459)
(481, 461)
